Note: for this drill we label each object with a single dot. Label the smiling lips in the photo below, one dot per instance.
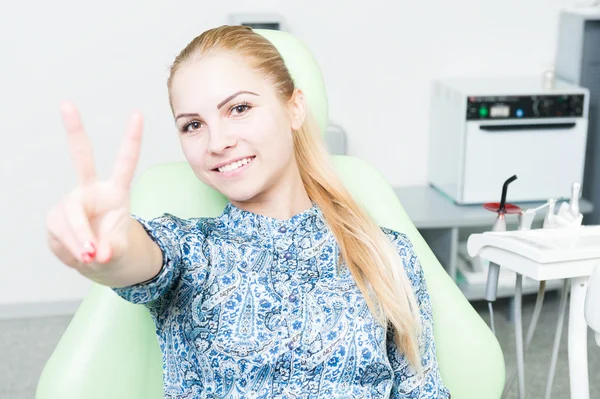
(235, 165)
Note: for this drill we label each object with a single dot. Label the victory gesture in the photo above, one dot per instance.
(91, 226)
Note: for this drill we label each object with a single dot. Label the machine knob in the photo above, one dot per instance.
(536, 107)
(564, 107)
(546, 107)
(576, 105)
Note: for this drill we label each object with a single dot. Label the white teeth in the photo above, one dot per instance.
(235, 165)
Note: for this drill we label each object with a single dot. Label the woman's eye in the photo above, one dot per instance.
(240, 109)
(190, 127)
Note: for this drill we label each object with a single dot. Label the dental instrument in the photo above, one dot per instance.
(551, 253)
(502, 208)
(568, 215)
(526, 218)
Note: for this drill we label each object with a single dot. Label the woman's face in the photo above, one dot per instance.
(235, 131)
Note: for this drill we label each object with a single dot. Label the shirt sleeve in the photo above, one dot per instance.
(167, 232)
(406, 384)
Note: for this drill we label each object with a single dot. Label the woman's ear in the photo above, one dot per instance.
(298, 109)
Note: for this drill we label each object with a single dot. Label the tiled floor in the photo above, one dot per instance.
(26, 344)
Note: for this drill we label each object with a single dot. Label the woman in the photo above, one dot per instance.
(294, 291)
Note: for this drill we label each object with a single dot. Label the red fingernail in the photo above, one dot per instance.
(87, 258)
(89, 248)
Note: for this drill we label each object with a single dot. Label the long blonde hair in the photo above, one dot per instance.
(369, 255)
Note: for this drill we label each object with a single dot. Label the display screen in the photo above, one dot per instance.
(499, 111)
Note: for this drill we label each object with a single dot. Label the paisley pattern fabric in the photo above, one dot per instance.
(248, 306)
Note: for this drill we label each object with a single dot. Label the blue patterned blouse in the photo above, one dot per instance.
(248, 306)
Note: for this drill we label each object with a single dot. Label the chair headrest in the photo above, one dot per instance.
(304, 70)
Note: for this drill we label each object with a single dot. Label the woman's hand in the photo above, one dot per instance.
(89, 228)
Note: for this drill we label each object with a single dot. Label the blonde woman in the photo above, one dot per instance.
(294, 291)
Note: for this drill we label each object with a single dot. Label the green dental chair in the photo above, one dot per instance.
(110, 350)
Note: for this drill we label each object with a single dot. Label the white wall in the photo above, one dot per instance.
(112, 56)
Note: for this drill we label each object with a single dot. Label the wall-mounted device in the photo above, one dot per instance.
(578, 62)
(484, 129)
(259, 21)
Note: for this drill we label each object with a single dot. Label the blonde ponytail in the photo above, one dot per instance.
(369, 255)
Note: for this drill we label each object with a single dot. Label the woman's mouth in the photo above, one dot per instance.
(235, 167)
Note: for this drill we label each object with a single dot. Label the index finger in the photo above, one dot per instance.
(81, 149)
(129, 152)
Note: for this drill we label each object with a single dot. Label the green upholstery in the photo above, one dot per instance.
(110, 348)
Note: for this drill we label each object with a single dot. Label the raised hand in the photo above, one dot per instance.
(89, 226)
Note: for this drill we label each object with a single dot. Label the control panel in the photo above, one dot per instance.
(525, 107)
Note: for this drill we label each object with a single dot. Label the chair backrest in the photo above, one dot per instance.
(110, 347)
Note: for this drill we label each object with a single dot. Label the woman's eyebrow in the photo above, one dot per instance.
(220, 105)
(186, 115)
(231, 97)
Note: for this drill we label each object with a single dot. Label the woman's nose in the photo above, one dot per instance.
(220, 140)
